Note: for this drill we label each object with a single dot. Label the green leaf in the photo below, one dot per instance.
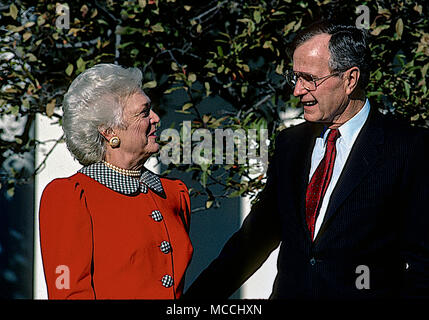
(174, 66)
(170, 90)
(220, 51)
(378, 29)
(11, 192)
(94, 13)
(50, 108)
(378, 75)
(399, 27)
(150, 84)
(69, 69)
(279, 67)
(288, 27)
(158, 27)
(26, 36)
(182, 112)
(31, 57)
(374, 93)
(245, 67)
(40, 20)
(192, 77)
(29, 24)
(257, 16)
(278, 13)
(424, 70)
(186, 106)
(407, 89)
(268, 45)
(209, 203)
(207, 87)
(237, 193)
(243, 90)
(80, 64)
(210, 64)
(203, 178)
(418, 8)
(415, 117)
(13, 11)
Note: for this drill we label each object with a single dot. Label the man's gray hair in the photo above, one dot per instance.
(95, 101)
(348, 46)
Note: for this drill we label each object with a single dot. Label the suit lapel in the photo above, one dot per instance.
(362, 158)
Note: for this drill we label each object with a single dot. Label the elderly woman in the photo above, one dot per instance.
(113, 230)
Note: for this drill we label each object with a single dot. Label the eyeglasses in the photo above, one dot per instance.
(308, 81)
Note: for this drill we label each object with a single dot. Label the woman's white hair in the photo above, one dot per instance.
(94, 102)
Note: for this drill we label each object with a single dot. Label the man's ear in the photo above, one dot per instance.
(351, 78)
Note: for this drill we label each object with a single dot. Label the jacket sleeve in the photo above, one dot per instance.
(415, 220)
(245, 251)
(66, 241)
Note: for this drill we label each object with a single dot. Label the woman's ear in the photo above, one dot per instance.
(107, 133)
(111, 137)
(351, 77)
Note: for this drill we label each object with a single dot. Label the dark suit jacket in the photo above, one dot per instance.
(377, 217)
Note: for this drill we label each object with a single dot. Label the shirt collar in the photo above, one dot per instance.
(121, 183)
(350, 129)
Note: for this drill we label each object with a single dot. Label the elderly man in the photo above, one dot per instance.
(345, 192)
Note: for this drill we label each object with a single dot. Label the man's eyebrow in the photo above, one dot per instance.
(305, 74)
(301, 72)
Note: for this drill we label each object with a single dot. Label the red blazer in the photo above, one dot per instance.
(115, 241)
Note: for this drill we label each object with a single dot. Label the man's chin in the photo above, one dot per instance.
(311, 117)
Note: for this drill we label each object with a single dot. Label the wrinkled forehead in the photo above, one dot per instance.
(136, 102)
(313, 55)
(139, 97)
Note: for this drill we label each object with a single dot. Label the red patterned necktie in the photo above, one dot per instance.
(319, 181)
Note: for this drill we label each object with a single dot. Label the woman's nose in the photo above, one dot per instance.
(154, 117)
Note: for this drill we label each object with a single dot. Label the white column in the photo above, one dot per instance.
(59, 164)
(260, 284)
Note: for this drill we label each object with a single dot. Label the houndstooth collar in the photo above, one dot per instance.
(122, 183)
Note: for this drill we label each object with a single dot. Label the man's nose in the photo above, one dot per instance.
(299, 89)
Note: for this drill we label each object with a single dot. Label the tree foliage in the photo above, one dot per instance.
(227, 54)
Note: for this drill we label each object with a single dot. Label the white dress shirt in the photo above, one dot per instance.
(349, 131)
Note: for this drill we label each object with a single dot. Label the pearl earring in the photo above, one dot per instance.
(114, 142)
